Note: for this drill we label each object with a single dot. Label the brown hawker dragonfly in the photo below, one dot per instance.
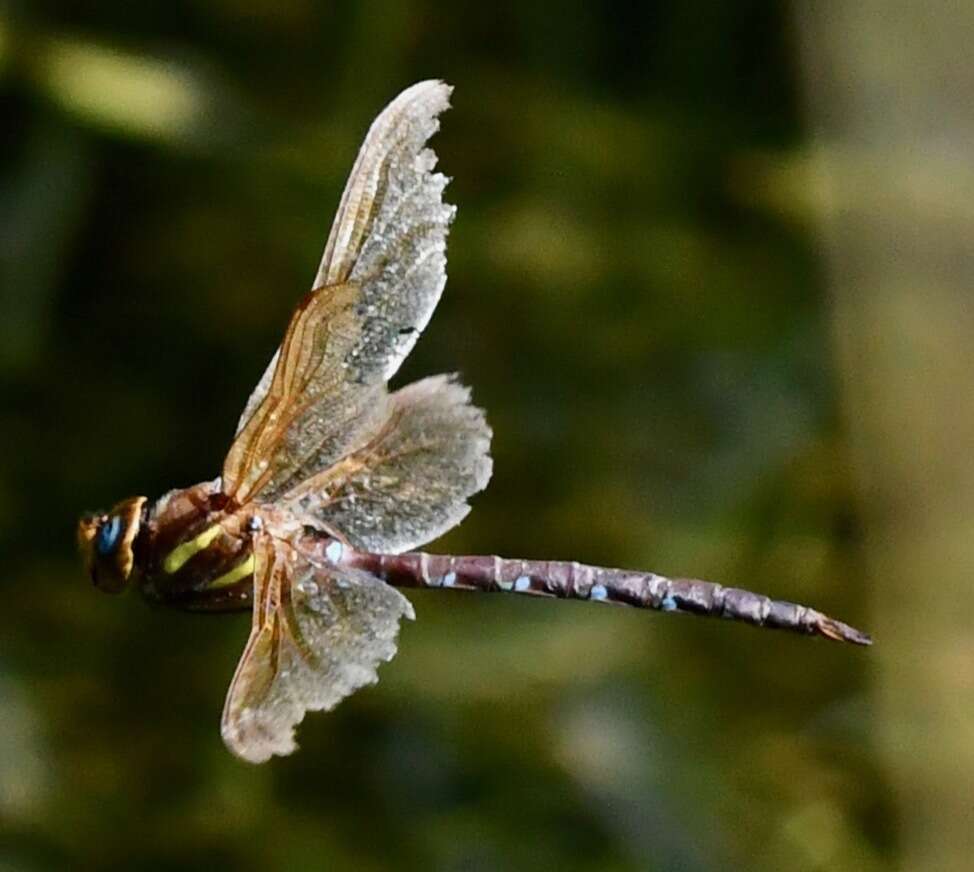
(331, 479)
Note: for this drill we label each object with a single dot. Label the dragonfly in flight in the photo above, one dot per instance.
(332, 480)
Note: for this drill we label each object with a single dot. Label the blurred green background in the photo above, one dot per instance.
(712, 336)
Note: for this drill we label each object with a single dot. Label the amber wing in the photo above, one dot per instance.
(382, 273)
(318, 634)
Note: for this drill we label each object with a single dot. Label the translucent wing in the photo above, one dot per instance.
(382, 273)
(317, 406)
(318, 634)
(411, 482)
(257, 397)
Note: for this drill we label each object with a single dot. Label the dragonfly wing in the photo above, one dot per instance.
(381, 276)
(392, 186)
(257, 397)
(411, 482)
(318, 634)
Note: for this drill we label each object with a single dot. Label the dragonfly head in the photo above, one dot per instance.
(106, 541)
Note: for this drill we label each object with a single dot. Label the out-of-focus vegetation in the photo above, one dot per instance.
(638, 296)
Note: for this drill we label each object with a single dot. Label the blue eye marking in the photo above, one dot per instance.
(107, 537)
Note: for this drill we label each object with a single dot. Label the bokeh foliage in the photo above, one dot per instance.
(637, 301)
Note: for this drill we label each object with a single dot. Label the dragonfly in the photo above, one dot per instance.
(332, 480)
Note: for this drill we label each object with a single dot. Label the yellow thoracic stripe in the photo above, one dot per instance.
(181, 553)
(241, 570)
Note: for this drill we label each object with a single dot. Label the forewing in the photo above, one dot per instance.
(318, 634)
(317, 407)
(381, 275)
(257, 397)
(411, 482)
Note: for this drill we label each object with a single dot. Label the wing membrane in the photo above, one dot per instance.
(315, 409)
(411, 482)
(318, 634)
(381, 275)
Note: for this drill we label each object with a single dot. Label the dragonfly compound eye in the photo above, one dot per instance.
(106, 543)
(106, 539)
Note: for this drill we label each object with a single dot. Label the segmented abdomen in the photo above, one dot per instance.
(572, 580)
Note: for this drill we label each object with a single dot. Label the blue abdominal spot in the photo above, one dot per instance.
(107, 537)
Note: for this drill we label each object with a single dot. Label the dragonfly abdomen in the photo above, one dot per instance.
(573, 580)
